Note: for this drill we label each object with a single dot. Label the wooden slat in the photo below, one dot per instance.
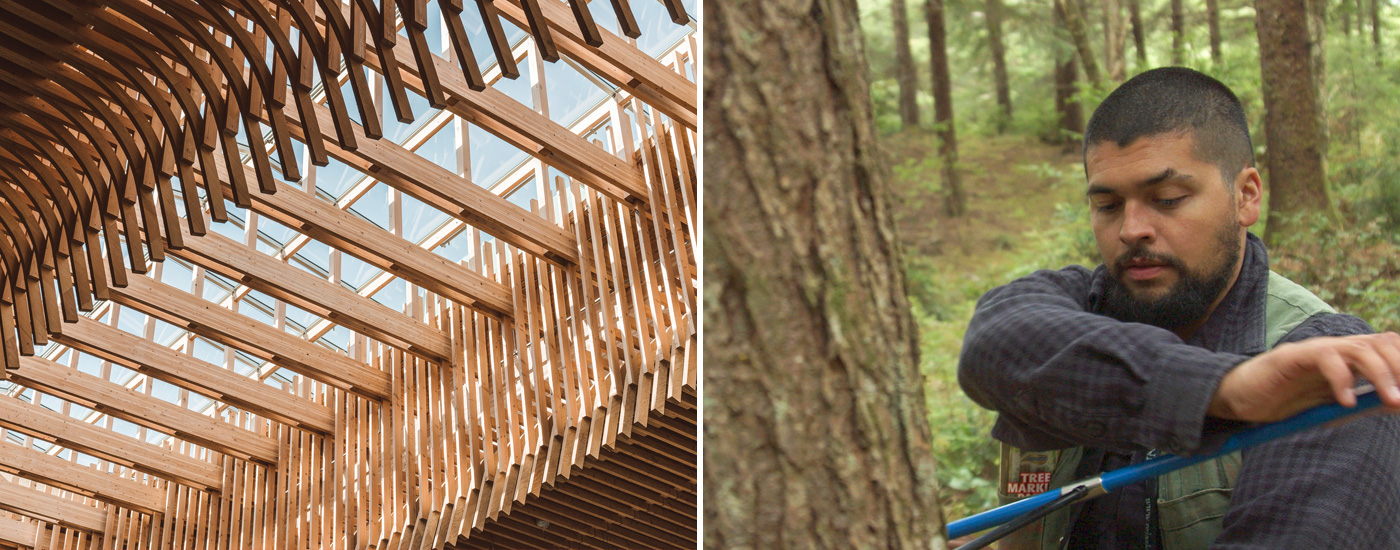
(314, 294)
(221, 325)
(181, 370)
(16, 532)
(53, 509)
(44, 423)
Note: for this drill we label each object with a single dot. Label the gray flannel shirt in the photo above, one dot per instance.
(1061, 375)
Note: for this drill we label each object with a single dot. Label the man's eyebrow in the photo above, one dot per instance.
(1170, 174)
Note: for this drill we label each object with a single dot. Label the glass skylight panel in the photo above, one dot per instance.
(166, 333)
(335, 178)
(601, 133)
(524, 192)
(175, 273)
(337, 338)
(199, 402)
(374, 206)
(208, 351)
(89, 364)
(121, 375)
(394, 130)
(392, 295)
(315, 257)
(659, 33)
(441, 148)
(132, 321)
(570, 93)
(517, 88)
(256, 308)
(420, 219)
(216, 287)
(481, 46)
(165, 391)
(300, 319)
(78, 411)
(272, 236)
(492, 158)
(126, 428)
(354, 273)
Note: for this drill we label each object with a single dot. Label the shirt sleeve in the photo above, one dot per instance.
(1060, 375)
(1336, 488)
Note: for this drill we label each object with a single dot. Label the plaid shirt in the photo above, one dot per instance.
(1061, 375)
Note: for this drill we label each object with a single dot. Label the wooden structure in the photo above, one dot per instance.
(301, 274)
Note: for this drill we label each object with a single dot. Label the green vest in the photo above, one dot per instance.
(1192, 501)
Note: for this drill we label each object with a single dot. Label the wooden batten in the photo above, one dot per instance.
(539, 393)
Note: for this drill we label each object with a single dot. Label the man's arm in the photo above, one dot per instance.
(1062, 376)
(1336, 488)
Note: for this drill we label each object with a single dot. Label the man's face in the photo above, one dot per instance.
(1168, 228)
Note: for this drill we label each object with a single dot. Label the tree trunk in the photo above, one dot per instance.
(816, 433)
(953, 201)
(1066, 102)
(994, 17)
(1213, 20)
(904, 60)
(1376, 29)
(1113, 37)
(1346, 18)
(1079, 33)
(1317, 35)
(1178, 33)
(1139, 39)
(1296, 158)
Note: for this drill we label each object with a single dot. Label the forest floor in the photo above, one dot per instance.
(1025, 211)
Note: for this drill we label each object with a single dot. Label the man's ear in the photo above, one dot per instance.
(1249, 194)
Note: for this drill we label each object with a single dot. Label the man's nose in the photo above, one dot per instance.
(1137, 224)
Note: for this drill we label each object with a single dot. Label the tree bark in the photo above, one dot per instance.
(1296, 155)
(1114, 34)
(1213, 21)
(1079, 33)
(908, 76)
(1139, 38)
(1178, 33)
(1066, 102)
(816, 433)
(953, 202)
(1317, 36)
(1003, 86)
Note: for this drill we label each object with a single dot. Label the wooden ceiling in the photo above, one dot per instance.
(536, 391)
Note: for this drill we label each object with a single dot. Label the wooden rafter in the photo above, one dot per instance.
(538, 393)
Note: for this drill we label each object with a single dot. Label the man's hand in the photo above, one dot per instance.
(1294, 377)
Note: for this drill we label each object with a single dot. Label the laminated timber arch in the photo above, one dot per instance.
(348, 274)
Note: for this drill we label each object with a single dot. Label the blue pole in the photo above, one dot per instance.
(1122, 477)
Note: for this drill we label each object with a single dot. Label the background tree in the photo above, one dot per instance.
(998, 48)
(1213, 22)
(1114, 34)
(816, 432)
(954, 203)
(907, 75)
(1297, 176)
(1067, 106)
(1376, 29)
(1178, 32)
(1139, 37)
(1073, 16)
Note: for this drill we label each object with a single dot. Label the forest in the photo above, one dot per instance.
(980, 106)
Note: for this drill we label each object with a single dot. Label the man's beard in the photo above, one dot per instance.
(1187, 302)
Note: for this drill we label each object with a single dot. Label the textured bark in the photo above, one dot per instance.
(1139, 39)
(994, 18)
(1213, 21)
(1114, 34)
(1178, 32)
(908, 76)
(816, 432)
(1317, 36)
(1079, 34)
(1296, 156)
(953, 201)
(1066, 104)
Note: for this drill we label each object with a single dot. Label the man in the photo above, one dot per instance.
(1181, 336)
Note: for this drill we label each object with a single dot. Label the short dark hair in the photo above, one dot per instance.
(1176, 99)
